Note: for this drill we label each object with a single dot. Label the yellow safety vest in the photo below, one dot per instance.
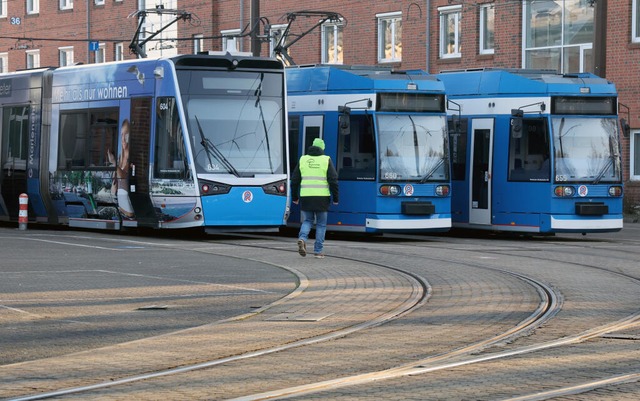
(313, 170)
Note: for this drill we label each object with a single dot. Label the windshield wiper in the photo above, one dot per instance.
(603, 170)
(432, 171)
(211, 149)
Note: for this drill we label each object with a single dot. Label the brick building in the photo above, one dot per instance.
(434, 35)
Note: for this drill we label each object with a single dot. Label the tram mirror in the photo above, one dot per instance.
(626, 129)
(516, 127)
(344, 121)
(344, 124)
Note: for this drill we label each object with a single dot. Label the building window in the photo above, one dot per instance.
(33, 58)
(332, 44)
(66, 4)
(634, 157)
(33, 6)
(198, 44)
(487, 18)
(450, 32)
(100, 53)
(635, 21)
(558, 35)
(389, 37)
(230, 40)
(4, 63)
(3, 8)
(118, 52)
(100, 2)
(65, 55)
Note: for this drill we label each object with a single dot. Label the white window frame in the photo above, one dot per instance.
(483, 29)
(338, 31)
(635, 21)
(99, 2)
(100, 55)
(66, 4)
(230, 37)
(391, 18)
(3, 8)
(35, 56)
(65, 56)
(198, 43)
(633, 137)
(118, 51)
(33, 6)
(4, 63)
(443, 13)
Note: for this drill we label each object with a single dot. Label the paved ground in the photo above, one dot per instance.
(83, 308)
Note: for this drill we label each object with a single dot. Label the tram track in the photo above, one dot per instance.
(550, 304)
(441, 362)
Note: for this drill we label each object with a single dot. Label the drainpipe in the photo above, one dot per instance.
(88, 30)
(428, 40)
(600, 39)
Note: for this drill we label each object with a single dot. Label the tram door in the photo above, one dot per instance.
(480, 174)
(139, 148)
(15, 140)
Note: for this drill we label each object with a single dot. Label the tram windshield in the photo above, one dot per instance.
(235, 120)
(586, 150)
(413, 148)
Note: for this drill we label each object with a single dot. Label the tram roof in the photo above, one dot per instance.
(492, 81)
(342, 78)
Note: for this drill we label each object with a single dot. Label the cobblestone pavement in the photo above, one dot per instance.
(471, 299)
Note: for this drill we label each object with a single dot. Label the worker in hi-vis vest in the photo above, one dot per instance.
(314, 183)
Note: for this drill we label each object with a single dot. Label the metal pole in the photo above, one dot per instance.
(255, 26)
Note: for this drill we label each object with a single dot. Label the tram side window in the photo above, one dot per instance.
(356, 158)
(15, 138)
(294, 140)
(529, 150)
(88, 139)
(170, 155)
(458, 147)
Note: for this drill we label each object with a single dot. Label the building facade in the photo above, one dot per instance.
(601, 36)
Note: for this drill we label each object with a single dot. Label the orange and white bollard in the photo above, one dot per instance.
(23, 215)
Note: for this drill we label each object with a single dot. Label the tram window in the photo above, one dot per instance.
(15, 125)
(170, 160)
(88, 139)
(529, 152)
(458, 148)
(356, 151)
(294, 140)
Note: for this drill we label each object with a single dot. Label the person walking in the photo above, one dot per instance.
(314, 184)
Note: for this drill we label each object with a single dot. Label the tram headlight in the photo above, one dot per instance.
(615, 190)
(276, 188)
(390, 190)
(564, 191)
(442, 190)
(213, 188)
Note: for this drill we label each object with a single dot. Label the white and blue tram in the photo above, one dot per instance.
(534, 151)
(179, 142)
(386, 132)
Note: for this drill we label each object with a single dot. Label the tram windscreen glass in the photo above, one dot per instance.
(583, 105)
(409, 101)
(587, 149)
(235, 120)
(413, 148)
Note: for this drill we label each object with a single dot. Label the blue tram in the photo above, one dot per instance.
(386, 132)
(534, 151)
(186, 141)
